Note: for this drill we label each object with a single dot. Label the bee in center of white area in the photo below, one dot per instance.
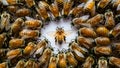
(60, 35)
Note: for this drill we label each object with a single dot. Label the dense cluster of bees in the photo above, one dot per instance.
(96, 46)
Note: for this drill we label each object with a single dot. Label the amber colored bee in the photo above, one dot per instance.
(5, 21)
(102, 63)
(26, 33)
(30, 3)
(114, 61)
(66, 8)
(62, 63)
(14, 53)
(115, 3)
(16, 43)
(102, 50)
(20, 64)
(60, 4)
(78, 51)
(29, 49)
(40, 47)
(103, 3)
(115, 31)
(2, 39)
(75, 12)
(102, 31)
(78, 22)
(87, 32)
(12, 8)
(16, 26)
(33, 24)
(4, 65)
(43, 13)
(55, 11)
(23, 12)
(31, 64)
(90, 7)
(95, 20)
(88, 62)
(102, 41)
(85, 42)
(12, 2)
(44, 59)
(116, 46)
(45, 4)
(71, 59)
(110, 22)
(53, 62)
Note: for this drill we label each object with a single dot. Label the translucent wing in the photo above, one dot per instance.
(51, 33)
(68, 32)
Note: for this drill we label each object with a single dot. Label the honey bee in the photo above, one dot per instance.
(12, 9)
(71, 59)
(103, 3)
(4, 65)
(115, 31)
(75, 12)
(5, 21)
(115, 3)
(102, 31)
(40, 47)
(102, 63)
(12, 2)
(78, 51)
(60, 4)
(87, 32)
(31, 64)
(16, 43)
(78, 22)
(88, 62)
(90, 7)
(55, 11)
(44, 3)
(62, 63)
(85, 42)
(102, 50)
(26, 33)
(95, 20)
(16, 26)
(53, 62)
(116, 46)
(43, 13)
(114, 61)
(66, 8)
(22, 12)
(30, 3)
(29, 49)
(102, 41)
(33, 24)
(15, 53)
(110, 23)
(2, 39)
(44, 59)
(20, 64)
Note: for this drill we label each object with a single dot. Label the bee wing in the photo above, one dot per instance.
(51, 33)
(68, 32)
(79, 53)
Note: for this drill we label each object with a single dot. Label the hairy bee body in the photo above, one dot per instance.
(20, 64)
(31, 64)
(55, 11)
(12, 2)
(60, 4)
(95, 20)
(62, 60)
(110, 23)
(30, 3)
(2, 39)
(29, 49)
(4, 65)
(33, 24)
(85, 42)
(22, 12)
(26, 33)
(102, 50)
(71, 59)
(5, 21)
(16, 43)
(114, 61)
(102, 63)
(88, 62)
(87, 32)
(53, 62)
(102, 41)
(103, 3)
(102, 31)
(45, 4)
